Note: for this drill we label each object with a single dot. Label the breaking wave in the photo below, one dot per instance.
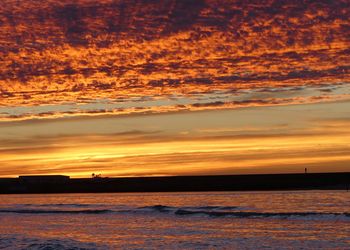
(258, 214)
(209, 211)
(236, 212)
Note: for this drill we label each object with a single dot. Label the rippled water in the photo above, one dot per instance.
(225, 220)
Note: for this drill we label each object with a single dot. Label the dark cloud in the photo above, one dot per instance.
(208, 104)
(80, 51)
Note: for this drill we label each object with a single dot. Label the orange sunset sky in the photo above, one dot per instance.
(176, 87)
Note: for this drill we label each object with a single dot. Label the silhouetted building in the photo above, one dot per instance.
(43, 178)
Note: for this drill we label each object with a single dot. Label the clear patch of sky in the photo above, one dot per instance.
(245, 120)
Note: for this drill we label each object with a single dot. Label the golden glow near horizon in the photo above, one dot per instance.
(195, 143)
(133, 88)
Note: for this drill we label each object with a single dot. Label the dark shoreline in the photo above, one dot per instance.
(255, 182)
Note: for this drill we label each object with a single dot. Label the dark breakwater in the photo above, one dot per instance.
(47, 184)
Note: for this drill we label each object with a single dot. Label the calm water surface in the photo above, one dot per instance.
(222, 220)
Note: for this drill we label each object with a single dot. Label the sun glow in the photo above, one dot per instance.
(169, 155)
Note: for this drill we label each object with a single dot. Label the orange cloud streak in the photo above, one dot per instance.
(55, 52)
(138, 154)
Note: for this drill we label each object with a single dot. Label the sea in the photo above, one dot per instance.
(192, 220)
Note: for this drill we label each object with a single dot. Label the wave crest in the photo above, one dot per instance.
(210, 211)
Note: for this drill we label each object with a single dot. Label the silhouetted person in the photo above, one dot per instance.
(305, 170)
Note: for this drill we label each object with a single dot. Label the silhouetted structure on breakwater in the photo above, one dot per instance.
(43, 179)
(64, 184)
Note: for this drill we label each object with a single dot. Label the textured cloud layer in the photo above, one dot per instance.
(80, 52)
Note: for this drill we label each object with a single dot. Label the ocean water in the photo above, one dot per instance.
(206, 220)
